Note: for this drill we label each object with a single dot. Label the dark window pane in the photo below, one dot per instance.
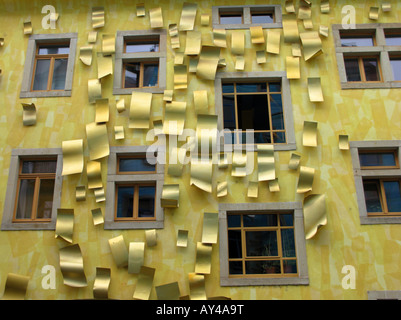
(228, 88)
(150, 75)
(234, 221)
(56, 49)
(135, 165)
(261, 243)
(39, 167)
(253, 112)
(396, 66)
(357, 41)
(393, 195)
(279, 137)
(262, 267)
(41, 74)
(230, 19)
(25, 199)
(143, 46)
(377, 159)
(59, 74)
(235, 267)
(290, 266)
(229, 112)
(132, 75)
(352, 69)
(125, 202)
(276, 106)
(146, 204)
(234, 244)
(288, 243)
(393, 40)
(260, 220)
(251, 87)
(286, 220)
(275, 87)
(45, 201)
(372, 197)
(262, 137)
(262, 18)
(371, 69)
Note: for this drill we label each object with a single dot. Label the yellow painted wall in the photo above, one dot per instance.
(375, 251)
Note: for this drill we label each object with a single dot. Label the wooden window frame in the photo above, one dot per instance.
(141, 73)
(378, 151)
(133, 157)
(362, 68)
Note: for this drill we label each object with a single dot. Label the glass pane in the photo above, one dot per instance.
(234, 244)
(276, 106)
(146, 204)
(260, 220)
(262, 267)
(251, 87)
(231, 19)
(59, 74)
(261, 243)
(357, 41)
(377, 159)
(290, 266)
(228, 136)
(286, 220)
(41, 74)
(228, 88)
(396, 66)
(45, 202)
(132, 75)
(135, 165)
(279, 137)
(262, 18)
(39, 166)
(143, 46)
(55, 49)
(288, 243)
(235, 267)
(393, 195)
(229, 112)
(275, 87)
(393, 40)
(352, 69)
(234, 221)
(125, 202)
(150, 75)
(253, 112)
(25, 199)
(262, 137)
(372, 196)
(371, 69)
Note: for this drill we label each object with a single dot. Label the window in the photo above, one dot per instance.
(352, 39)
(258, 101)
(395, 61)
(140, 61)
(362, 69)
(33, 189)
(231, 17)
(377, 180)
(49, 66)
(262, 244)
(393, 37)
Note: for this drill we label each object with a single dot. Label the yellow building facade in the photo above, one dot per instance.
(352, 253)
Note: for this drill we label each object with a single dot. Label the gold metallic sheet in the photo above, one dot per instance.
(98, 140)
(72, 266)
(274, 185)
(98, 17)
(222, 63)
(386, 6)
(290, 28)
(238, 167)
(119, 133)
(108, 44)
(193, 43)
(201, 102)
(188, 15)
(253, 189)
(156, 17)
(28, 114)
(1, 42)
(173, 30)
(94, 90)
(16, 286)
(210, 227)
(206, 133)
(176, 161)
(203, 263)
(119, 251)
(220, 38)
(73, 157)
(120, 105)
(92, 37)
(136, 256)
(102, 111)
(208, 61)
(201, 174)
(314, 214)
(180, 77)
(104, 65)
(374, 13)
(324, 31)
(304, 11)
(158, 126)
(205, 19)
(308, 23)
(94, 174)
(28, 28)
(168, 95)
(151, 237)
(257, 36)
(315, 90)
(222, 189)
(85, 54)
(182, 238)
(309, 137)
(170, 195)
(224, 160)
(65, 224)
(174, 36)
(305, 182)
(170, 291)
(325, 6)
(289, 6)
(144, 284)
(261, 56)
(266, 163)
(311, 43)
(293, 67)
(294, 161)
(179, 58)
(273, 41)
(140, 10)
(97, 216)
(100, 195)
(197, 286)
(343, 142)
(240, 63)
(80, 193)
(174, 118)
(296, 50)
(102, 283)
(139, 114)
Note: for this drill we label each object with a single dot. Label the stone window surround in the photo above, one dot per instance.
(300, 243)
(247, 16)
(384, 295)
(30, 63)
(281, 76)
(113, 178)
(359, 174)
(11, 193)
(381, 50)
(121, 57)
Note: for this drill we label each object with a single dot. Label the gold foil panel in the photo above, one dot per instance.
(144, 284)
(178, 58)
(206, 133)
(174, 118)
(108, 44)
(294, 161)
(170, 196)
(325, 6)
(324, 31)
(140, 10)
(151, 237)
(80, 193)
(289, 6)
(203, 263)
(260, 56)
(374, 13)
(201, 174)
(253, 189)
(100, 195)
(174, 36)
(28, 114)
(120, 105)
(85, 55)
(73, 157)
(180, 77)
(104, 66)
(224, 160)
(290, 28)
(273, 41)
(97, 217)
(197, 286)
(1, 42)
(266, 163)
(238, 42)
(220, 38)
(343, 142)
(168, 95)
(176, 161)
(315, 90)
(170, 291)
(102, 283)
(94, 174)
(188, 16)
(28, 28)
(296, 50)
(173, 30)
(238, 168)
(139, 114)
(274, 185)
(136, 256)
(210, 227)
(240, 63)
(305, 182)
(65, 224)
(304, 11)
(119, 133)
(92, 36)
(193, 43)
(119, 251)
(98, 140)
(156, 18)
(15, 288)
(72, 266)
(257, 36)
(314, 214)
(386, 6)
(312, 44)
(94, 90)
(102, 111)
(201, 102)
(293, 67)
(205, 20)
(308, 23)
(208, 61)
(309, 138)
(98, 17)
(182, 238)
(222, 189)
